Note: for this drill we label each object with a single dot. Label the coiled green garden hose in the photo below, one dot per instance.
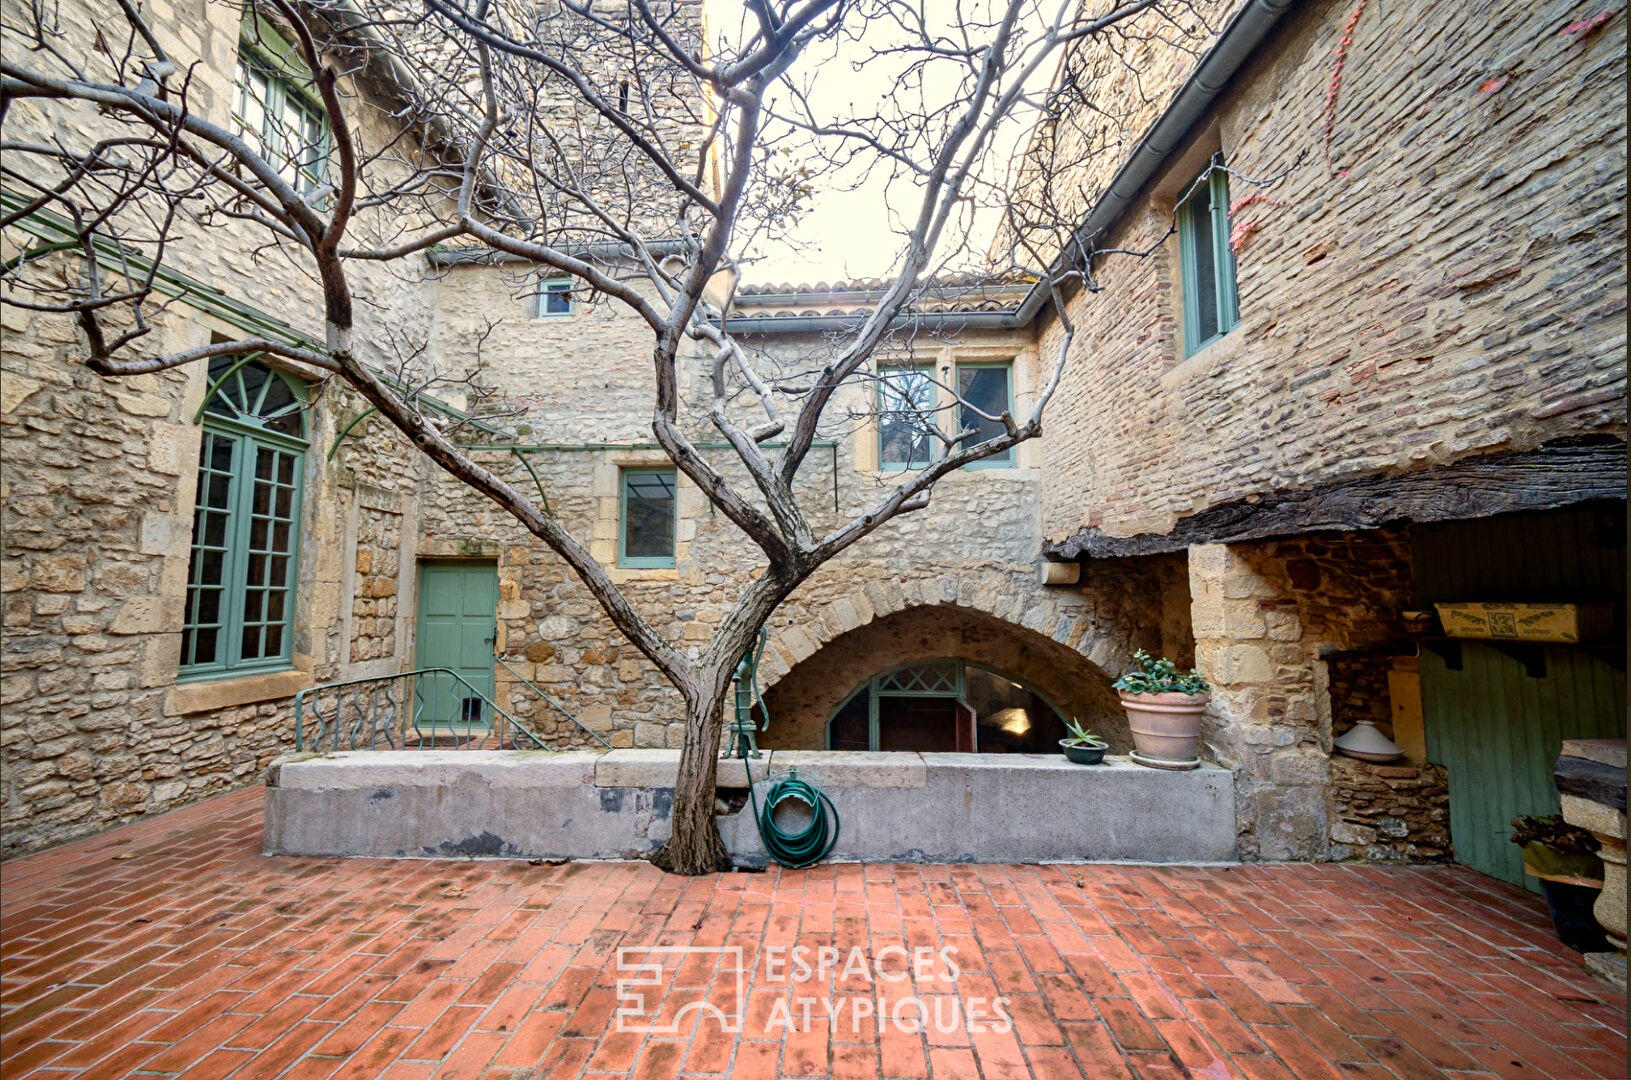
(811, 844)
(807, 846)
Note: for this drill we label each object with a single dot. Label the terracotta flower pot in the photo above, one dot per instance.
(1166, 728)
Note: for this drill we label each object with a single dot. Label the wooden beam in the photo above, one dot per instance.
(1591, 780)
(1557, 474)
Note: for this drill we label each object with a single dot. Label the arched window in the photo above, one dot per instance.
(246, 521)
(945, 705)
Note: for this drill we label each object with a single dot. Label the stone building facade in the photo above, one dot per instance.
(1438, 282)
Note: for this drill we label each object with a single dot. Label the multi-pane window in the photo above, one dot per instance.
(985, 389)
(246, 522)
(646, 524)
(554, 297)
(1211, 304)
(275, 115)
(906, 417)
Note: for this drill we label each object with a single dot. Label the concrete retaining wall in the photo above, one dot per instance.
(894, 807)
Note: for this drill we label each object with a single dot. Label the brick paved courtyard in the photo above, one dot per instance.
(172, 947)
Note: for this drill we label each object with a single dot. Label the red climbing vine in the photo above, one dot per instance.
(1333, 88)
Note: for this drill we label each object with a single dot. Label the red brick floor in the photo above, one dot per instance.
(173, 947)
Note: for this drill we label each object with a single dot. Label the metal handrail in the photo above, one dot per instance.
(557, 706)
(394, 709)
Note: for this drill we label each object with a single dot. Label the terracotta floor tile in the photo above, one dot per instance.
(202, 958)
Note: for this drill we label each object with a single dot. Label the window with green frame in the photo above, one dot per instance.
(988, 388)
(647, 518)
(906, 417)
(553, 299)
(1211, 304)
(276, 112)
(246, 522)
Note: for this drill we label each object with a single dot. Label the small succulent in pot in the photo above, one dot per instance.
(1160, 676)
(1083, 747)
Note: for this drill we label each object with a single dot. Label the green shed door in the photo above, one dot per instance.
(458, 610)
(1498, 731)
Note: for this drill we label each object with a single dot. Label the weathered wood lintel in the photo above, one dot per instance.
(1591, 780)
(1555, 475)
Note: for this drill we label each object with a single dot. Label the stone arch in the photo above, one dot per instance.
(803, 697)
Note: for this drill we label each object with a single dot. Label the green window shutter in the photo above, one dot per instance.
(647, 519)
(988, 387)
(246, 524)
(1224, 254)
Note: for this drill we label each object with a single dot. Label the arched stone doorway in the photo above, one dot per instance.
(803, 700)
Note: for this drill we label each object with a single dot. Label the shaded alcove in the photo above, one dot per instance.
(803, 700)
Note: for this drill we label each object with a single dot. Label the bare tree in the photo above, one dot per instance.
(604, 141)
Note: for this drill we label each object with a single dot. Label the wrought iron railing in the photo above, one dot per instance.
(429, 709)
(556, 705)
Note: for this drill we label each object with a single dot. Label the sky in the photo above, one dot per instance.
(845, 234)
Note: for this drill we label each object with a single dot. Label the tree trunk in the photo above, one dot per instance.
(694, 847)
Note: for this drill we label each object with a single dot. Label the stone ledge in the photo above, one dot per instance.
(858, 768)
(197, 697)
(905, 808)
(657, 769)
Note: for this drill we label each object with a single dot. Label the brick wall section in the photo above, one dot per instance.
(1455, 288)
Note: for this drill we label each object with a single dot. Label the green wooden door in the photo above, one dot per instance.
(1496, 727)
(458, 606)
(1498, 731)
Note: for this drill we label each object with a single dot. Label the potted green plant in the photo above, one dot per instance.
(1164, 708)
(1083, 747)
(1564, 858)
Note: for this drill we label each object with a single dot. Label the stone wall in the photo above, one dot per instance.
(1442, 279)
(1383, 813)
(98, 483)
(1269, 619)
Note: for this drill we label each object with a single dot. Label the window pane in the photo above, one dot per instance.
(648, 507)
(238, 602)
(555, 298)
(1200, 246)
(985, 389)
(906, 416)
(205, 641)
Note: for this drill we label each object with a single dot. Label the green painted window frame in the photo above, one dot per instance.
(1212, 229)
(1009, 458)
(934, 450)
(262, 49)
(644, 562)
(545, 287)
(247, 439)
